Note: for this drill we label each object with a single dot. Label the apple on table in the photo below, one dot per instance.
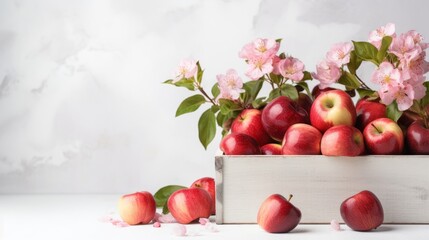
(190, 204)
(136, 208)
(208, 184)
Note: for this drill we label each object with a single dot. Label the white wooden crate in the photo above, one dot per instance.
(319, 184)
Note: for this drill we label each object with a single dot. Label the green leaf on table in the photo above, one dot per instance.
(385, 44)
(349, 80)
(366, 51)
(190, 104)
(161, 196)
(207, 127)
(393, 112)
(354, 62)
(165, 209)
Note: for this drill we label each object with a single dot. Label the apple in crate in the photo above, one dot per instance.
(301, 139)
(317, 91)
(418, 138)
(190, 204)
(208, 184)
(249, 122)
(367, 111)
(362, 212)
(342, 140)
(280, 114)
(278, 215)
(332, 108)
(239, 144)
(271, 149)
(305, 101)
(137, 208)
(383, 136)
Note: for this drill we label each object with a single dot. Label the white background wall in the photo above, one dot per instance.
(82, 107)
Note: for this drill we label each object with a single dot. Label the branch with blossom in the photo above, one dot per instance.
(285, 75)
(399, 74)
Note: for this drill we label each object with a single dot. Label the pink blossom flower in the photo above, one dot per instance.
(258, 67)
(386, 74)
(417, 84)
(405, 48)
(327, 73)
(291, 68)
(335, 225)
(377, 35)
(187, 69)
(259, 48)
(403, 93)
(340, 53)
(230, 85)
(418, 38)
(417, 66)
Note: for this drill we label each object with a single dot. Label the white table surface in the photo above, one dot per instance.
(78, 217)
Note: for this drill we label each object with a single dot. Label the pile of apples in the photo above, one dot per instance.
(330, 125)
(186, 205)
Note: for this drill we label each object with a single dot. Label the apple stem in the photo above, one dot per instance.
(290, 197)
(378, 130)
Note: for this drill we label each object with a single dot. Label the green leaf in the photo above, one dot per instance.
(259, 103)
(165, 209)
(190, 104)
(275, 78)
(215, 90)
(393, 112)
(207, 127)
(162, 195)
(279, 40)
(354, 62)
(349, 80)
(307, 76)
(366, 51)
(285, 90)
(385, 44)
(305, 86)
(221, 118)
(200, 73)
(184, 82)
(365, 92)
(227, 106)
(252, 89)
(425, 99)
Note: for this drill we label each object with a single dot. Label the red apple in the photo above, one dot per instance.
(301, 139)
(362, 212)
(239, 144)
(383, 136)
(189, 204)
(280, 114)
(208, 184)
(367, 111)
(407, 118)
(271, 149)
(278, 215)
(332, 108)
(342, 140)
(418, 138)
(249, 122)
(317, 91)
(137, 208)
(305, 102)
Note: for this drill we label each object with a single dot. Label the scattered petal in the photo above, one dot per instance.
(105, 219)
(204, 221)
(179, 230)
(157, 225)
(211, 227)
(335, 225)
(167, 218)
(156, 217)
(119, 223)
